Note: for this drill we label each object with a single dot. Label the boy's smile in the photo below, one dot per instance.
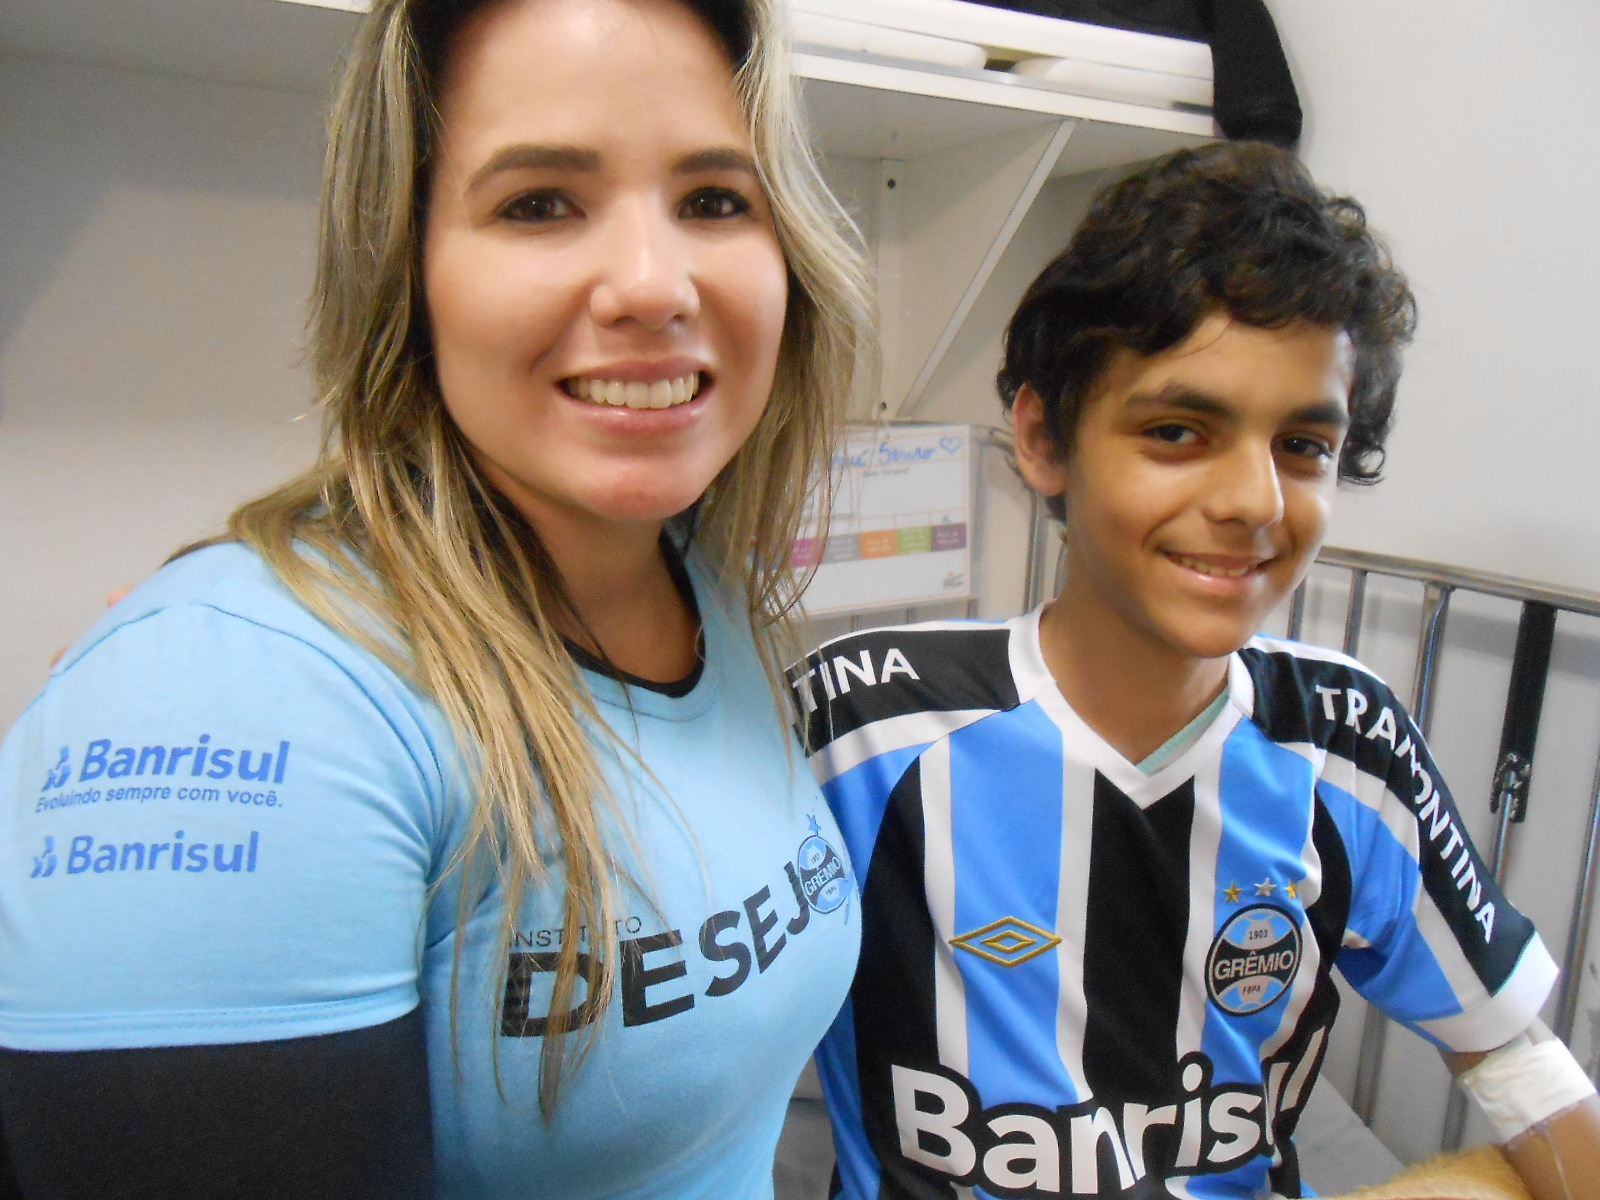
(1197, 488)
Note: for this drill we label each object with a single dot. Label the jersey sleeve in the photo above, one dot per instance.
(870, 703)
(1430, 939)
(212, 831)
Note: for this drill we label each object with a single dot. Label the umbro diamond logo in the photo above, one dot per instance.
(1010, 941)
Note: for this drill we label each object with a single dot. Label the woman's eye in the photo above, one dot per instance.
(715, 204)
(538, 207)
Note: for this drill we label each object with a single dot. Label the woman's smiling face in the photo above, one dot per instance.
(605, 288)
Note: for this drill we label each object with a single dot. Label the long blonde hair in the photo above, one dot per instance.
(404, 533)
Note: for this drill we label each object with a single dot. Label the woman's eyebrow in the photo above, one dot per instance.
(717, 159)
(525, 157)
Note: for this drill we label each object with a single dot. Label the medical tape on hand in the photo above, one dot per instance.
(1525, 1083)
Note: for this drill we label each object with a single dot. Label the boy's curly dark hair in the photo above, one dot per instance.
(1236, 226)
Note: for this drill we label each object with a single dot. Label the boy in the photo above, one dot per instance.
(1111, 850)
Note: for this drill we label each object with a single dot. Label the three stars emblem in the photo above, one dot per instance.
(1265, 888)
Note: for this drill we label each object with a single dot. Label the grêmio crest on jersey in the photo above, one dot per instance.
(1253, 960)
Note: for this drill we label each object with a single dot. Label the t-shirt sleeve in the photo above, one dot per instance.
(1431, 939)
(212, 831)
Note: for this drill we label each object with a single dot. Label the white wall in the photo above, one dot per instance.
(1468, 131)
(155, 252)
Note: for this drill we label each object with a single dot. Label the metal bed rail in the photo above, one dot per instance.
(1541, 603)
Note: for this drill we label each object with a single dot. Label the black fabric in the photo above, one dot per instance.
(339, 1117)
(1329, 917)
(1255, 93)
(897, 942)
(9, 1188)
(1133, 949)
(899, 673)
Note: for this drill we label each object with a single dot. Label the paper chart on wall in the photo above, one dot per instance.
(901, 515)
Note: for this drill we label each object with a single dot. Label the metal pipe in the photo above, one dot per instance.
(1486, 582)
(1033, 586)
(1297, 612)
(1578, 927)
(1435, 607)
(1354, 611)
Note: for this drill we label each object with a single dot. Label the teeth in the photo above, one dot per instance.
(1194, 564)
(663, 393)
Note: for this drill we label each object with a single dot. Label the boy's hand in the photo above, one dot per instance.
(114, 595)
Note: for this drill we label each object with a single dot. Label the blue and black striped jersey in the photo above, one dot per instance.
(1079, 979)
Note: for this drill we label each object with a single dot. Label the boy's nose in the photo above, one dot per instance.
(1245, 487)
(645, 271)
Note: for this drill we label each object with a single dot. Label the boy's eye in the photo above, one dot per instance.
(538, 207)
(714, 204)
(1173, 434)
(1301, 446)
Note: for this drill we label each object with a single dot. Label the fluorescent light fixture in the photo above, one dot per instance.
(341, 5)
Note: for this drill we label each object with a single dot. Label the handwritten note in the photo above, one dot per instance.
(901, 519)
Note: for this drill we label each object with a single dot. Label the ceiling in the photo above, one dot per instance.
(264, 43)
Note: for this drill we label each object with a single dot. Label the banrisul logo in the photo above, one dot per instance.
(61, 773)
(44, 864)
(106, 758)
(1253, 960)
(84, 855)
(823, 877)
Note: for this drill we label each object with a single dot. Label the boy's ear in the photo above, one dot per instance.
(1040, 460)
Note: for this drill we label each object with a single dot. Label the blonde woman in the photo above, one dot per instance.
(439, 833)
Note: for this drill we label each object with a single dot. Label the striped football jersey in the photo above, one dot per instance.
(1077, 979)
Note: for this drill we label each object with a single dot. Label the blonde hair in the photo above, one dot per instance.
(394, 537)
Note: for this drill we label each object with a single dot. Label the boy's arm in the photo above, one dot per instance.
(1558, 1158)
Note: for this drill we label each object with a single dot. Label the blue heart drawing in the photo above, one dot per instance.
(951, 444)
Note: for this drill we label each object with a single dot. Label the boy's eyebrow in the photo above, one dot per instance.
(526, 157)
(1203, 403)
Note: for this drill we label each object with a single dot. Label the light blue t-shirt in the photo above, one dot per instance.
(221, 821)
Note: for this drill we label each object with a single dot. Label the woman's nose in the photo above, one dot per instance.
(646, 271)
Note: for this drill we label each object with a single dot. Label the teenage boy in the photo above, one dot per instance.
(1112, 850)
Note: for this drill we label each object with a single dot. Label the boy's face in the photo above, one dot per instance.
(1198, 485)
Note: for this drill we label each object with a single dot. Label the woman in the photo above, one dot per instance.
(457, 781)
